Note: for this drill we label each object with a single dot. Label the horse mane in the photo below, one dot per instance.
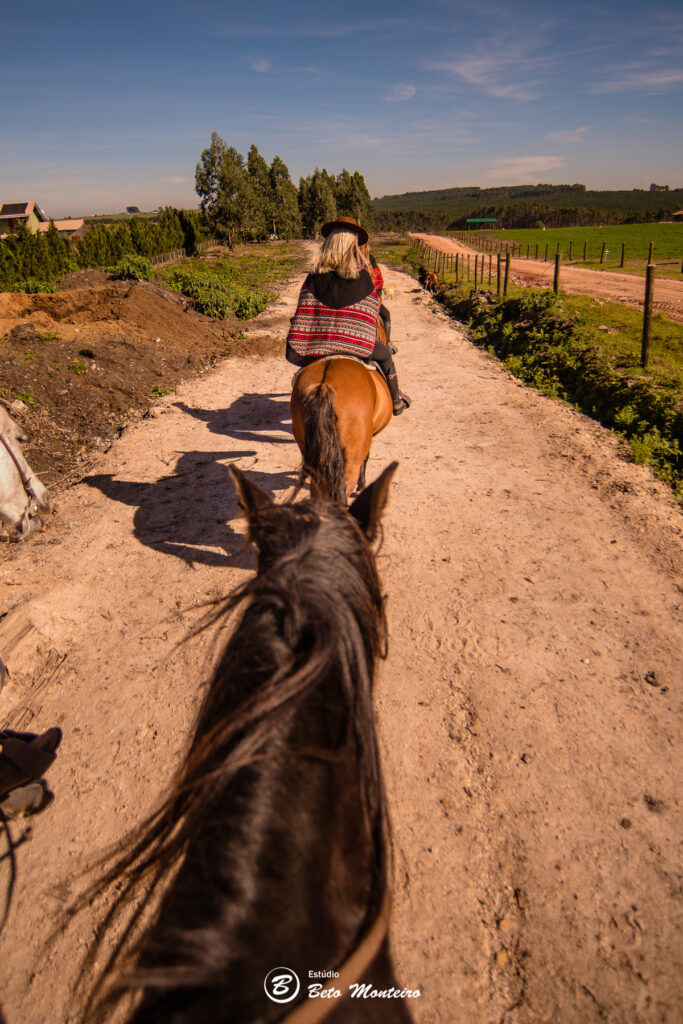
(312, 618)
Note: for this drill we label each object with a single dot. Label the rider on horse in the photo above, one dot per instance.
(338, 308)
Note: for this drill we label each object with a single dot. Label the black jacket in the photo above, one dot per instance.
(336, 292)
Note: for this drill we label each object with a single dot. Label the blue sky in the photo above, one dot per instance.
(110, 105)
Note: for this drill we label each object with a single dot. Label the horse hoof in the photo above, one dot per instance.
(25, 801)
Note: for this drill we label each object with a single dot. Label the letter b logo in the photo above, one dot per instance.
(281, 985)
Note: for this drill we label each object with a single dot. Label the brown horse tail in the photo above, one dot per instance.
(323, 455)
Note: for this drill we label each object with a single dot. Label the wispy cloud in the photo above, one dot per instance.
(508, 66)
(341, 134)
(569, 136)
(641, 80)
(262, 65)
(521, 168)
(399, 93)
(487, 72)
(318, 29)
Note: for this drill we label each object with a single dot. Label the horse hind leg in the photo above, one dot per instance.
(353, 471)
(361, 476)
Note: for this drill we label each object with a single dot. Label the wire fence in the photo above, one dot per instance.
(570, 251)
(474, 272)
(179, 254)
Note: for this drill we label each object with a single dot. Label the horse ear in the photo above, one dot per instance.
(250, 497)
(369, 506)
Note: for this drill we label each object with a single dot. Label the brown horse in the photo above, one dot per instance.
(337, 406)
(272, 845)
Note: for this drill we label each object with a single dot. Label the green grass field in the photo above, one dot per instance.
(667, 239)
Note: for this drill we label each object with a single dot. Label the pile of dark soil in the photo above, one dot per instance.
(78, 364)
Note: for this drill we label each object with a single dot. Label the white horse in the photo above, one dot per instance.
(23, 500)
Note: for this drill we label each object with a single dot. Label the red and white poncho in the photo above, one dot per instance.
(324, 328)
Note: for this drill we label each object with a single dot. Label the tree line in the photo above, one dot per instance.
(241, 200)
(523, 206)
(33, 262)
(248, 200)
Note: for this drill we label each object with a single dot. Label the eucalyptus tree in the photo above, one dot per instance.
(224, 188)
(286, 215)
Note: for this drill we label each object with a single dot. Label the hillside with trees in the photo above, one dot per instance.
(525, 205)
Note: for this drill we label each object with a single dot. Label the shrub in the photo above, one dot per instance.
(133, 268)
(216, 296)
(32, 286)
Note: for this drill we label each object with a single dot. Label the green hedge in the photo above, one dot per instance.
(45, 257)
(545, 347)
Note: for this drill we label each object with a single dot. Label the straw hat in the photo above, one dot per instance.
(345, 224)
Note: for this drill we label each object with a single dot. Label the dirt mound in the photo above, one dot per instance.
(85, 360)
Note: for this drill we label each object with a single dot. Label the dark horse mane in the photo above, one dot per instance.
(289, 702)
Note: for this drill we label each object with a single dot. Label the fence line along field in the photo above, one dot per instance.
(592, 246)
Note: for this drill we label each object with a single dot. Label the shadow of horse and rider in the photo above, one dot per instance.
(336, 408)
(186, 513)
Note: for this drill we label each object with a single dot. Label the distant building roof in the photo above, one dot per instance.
(8, 210)
(72, 224)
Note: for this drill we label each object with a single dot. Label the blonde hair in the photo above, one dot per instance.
(341, 252)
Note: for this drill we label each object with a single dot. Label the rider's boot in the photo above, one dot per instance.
(399, 401)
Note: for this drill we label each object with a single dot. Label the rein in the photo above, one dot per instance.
(25, 480)
(315, 1010)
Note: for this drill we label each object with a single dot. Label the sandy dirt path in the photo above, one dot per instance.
(613, 287)
(528, 711)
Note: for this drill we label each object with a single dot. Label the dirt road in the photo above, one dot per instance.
(528, 709)
(613, 287)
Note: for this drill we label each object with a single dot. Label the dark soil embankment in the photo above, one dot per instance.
(85, 360)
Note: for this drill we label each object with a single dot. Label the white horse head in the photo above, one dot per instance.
(23, 499)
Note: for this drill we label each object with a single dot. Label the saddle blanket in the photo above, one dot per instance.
(370, 363)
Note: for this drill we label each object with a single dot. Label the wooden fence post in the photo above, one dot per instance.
(476, 263)
(647, 312)
(457, 268)
(651, 254)
(556, 278)
(571, 246)
(604, 250)
(490, 259)
(507, 274)
(585, 251)
(623, 253)
(545, 254)
(499, 261)
(536, 253)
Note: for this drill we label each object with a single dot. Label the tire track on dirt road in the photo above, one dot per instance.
(527, 709)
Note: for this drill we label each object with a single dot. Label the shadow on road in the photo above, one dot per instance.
(251, 417)
(184, 514)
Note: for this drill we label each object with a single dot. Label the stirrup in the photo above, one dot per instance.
(403, 403)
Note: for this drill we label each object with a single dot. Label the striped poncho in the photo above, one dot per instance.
(318, 329)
